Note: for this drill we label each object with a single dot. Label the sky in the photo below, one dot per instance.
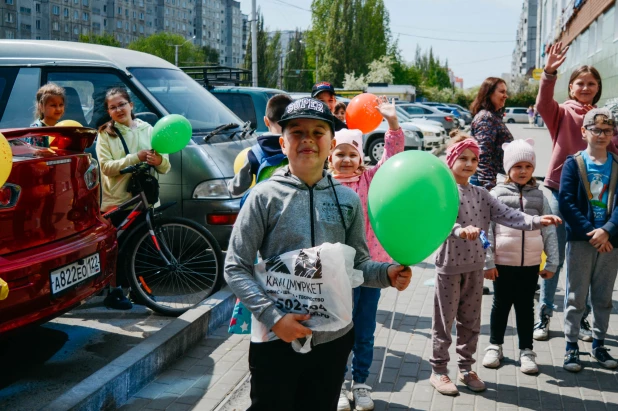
(476, 36)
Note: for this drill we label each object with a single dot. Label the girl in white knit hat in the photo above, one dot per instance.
(514, 258)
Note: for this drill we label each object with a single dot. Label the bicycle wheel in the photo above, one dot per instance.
(194, 272)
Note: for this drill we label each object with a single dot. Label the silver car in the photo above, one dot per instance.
(515, 115)
(197, 183)
(416, 110)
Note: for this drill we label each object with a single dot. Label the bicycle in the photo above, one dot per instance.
(172, 263)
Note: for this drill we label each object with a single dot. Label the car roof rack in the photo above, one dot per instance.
(215, 75)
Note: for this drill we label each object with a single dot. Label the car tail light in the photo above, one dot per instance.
(91, 176)
(9, 194)
(448, 118)
(221, 219)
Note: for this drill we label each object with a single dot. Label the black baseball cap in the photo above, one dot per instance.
(307, 108)
(320, 87)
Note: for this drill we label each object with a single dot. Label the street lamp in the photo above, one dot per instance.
(176, 46)
(281, 68)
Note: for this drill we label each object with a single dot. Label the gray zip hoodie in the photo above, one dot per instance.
(283, 214)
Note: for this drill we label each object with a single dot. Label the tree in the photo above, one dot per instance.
(380, 71)
(106, 39)
(268, 54)
(298, 75)
(162, 45)
(211, 55)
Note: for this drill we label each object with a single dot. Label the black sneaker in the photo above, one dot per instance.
(602, 356)
(117, 301)
(485, 290)
(585, 333)
(571, 360)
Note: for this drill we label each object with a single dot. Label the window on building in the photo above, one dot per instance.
(126, 12)
(8, 1)
(75, 14)
(9, 18)
(85, 2)
(104, 22)
(37, 7)
(38, 37)
(76, 30)
(75, 1)
(25, 10)
(119, 10)
(134, 14)
(56, 10)
(38, 24)
(66, 27)
(141, 16)
(9, 34)
(600, 36)
(105, 8)
(119, 24)
(141, 28)
(85, 16)
(55, 26)
(592, 38)
(134, 28)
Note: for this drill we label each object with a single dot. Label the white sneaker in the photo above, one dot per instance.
(343, 404)
(493, 355)
(361, 395)
(541, 328)
(527, 360)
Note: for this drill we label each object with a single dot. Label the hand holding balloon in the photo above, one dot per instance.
(400, 276)
(153, 158)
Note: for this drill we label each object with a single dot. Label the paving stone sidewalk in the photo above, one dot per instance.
(203, 377)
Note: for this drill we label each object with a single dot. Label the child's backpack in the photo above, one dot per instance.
(240, 322)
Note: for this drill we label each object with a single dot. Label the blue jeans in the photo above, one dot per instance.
(548, 287)
(364, 318)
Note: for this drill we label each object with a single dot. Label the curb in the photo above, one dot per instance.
(114, 384)
(234, 393)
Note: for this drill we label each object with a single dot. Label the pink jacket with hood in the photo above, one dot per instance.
(564, 122)
(393, 144)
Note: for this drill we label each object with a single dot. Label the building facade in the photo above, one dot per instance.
(215, 23)
(590, 29)
(524, 54)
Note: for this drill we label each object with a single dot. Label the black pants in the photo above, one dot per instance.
(515, 286)
(282, 379)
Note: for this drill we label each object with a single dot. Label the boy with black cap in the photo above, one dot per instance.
(325, 92)
(273, 221)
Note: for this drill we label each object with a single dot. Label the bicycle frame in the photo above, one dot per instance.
(141, 205)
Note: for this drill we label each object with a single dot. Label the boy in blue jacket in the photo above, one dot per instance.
(588, 205)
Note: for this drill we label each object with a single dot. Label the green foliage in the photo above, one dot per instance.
(162, 45)
(211, 55)
(297, 75)
(525, 98)
(268, 55)
(105, 40)
(347, 35)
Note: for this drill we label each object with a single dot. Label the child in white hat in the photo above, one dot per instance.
(347, 166)
(514, 258)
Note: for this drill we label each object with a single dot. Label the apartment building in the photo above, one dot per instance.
(219, 24)
(524, 54)
(590, 29)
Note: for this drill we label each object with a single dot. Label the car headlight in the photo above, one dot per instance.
(428, 134)
(212, 190)
(409, 134)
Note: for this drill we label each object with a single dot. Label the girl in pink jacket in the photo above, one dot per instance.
(513, 260)
(564, 122)
(346, 165)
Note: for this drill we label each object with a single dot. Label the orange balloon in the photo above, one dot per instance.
(362, 113)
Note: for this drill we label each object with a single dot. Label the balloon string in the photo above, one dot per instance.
(388, 337)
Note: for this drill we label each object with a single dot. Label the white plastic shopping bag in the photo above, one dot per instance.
(316, 281)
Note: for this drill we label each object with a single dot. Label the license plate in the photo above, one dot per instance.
(72, 274)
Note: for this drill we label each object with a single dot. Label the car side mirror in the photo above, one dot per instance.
(150, 118)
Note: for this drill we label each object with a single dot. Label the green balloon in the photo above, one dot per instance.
(413, 203)
(171, 134)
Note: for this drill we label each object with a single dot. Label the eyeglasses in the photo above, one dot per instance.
(118, 107)
(597, 131)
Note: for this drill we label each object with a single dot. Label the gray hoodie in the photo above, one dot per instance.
(283, 214)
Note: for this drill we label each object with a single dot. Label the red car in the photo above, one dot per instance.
(55, 248)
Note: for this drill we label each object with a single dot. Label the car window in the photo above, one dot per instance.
(85, 95)
(414, 110)
(520, 111)
(241, 105)
(427, 111)
(19, 106)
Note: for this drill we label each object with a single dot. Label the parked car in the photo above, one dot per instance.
(55, 248)
(248, 103)
(373, 143)
(465, 113)
(197, 183)
(421, 111)
(434, 134)
(456, 113)
(515, 115)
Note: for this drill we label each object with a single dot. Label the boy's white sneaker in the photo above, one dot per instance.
(541, 328)
(344, 403)
(493, 356)
(527, 361)
(361, 396)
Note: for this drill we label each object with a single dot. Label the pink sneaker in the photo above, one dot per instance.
(471, 380)
(443, 384)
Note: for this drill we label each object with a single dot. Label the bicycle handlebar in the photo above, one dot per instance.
(141, 167)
